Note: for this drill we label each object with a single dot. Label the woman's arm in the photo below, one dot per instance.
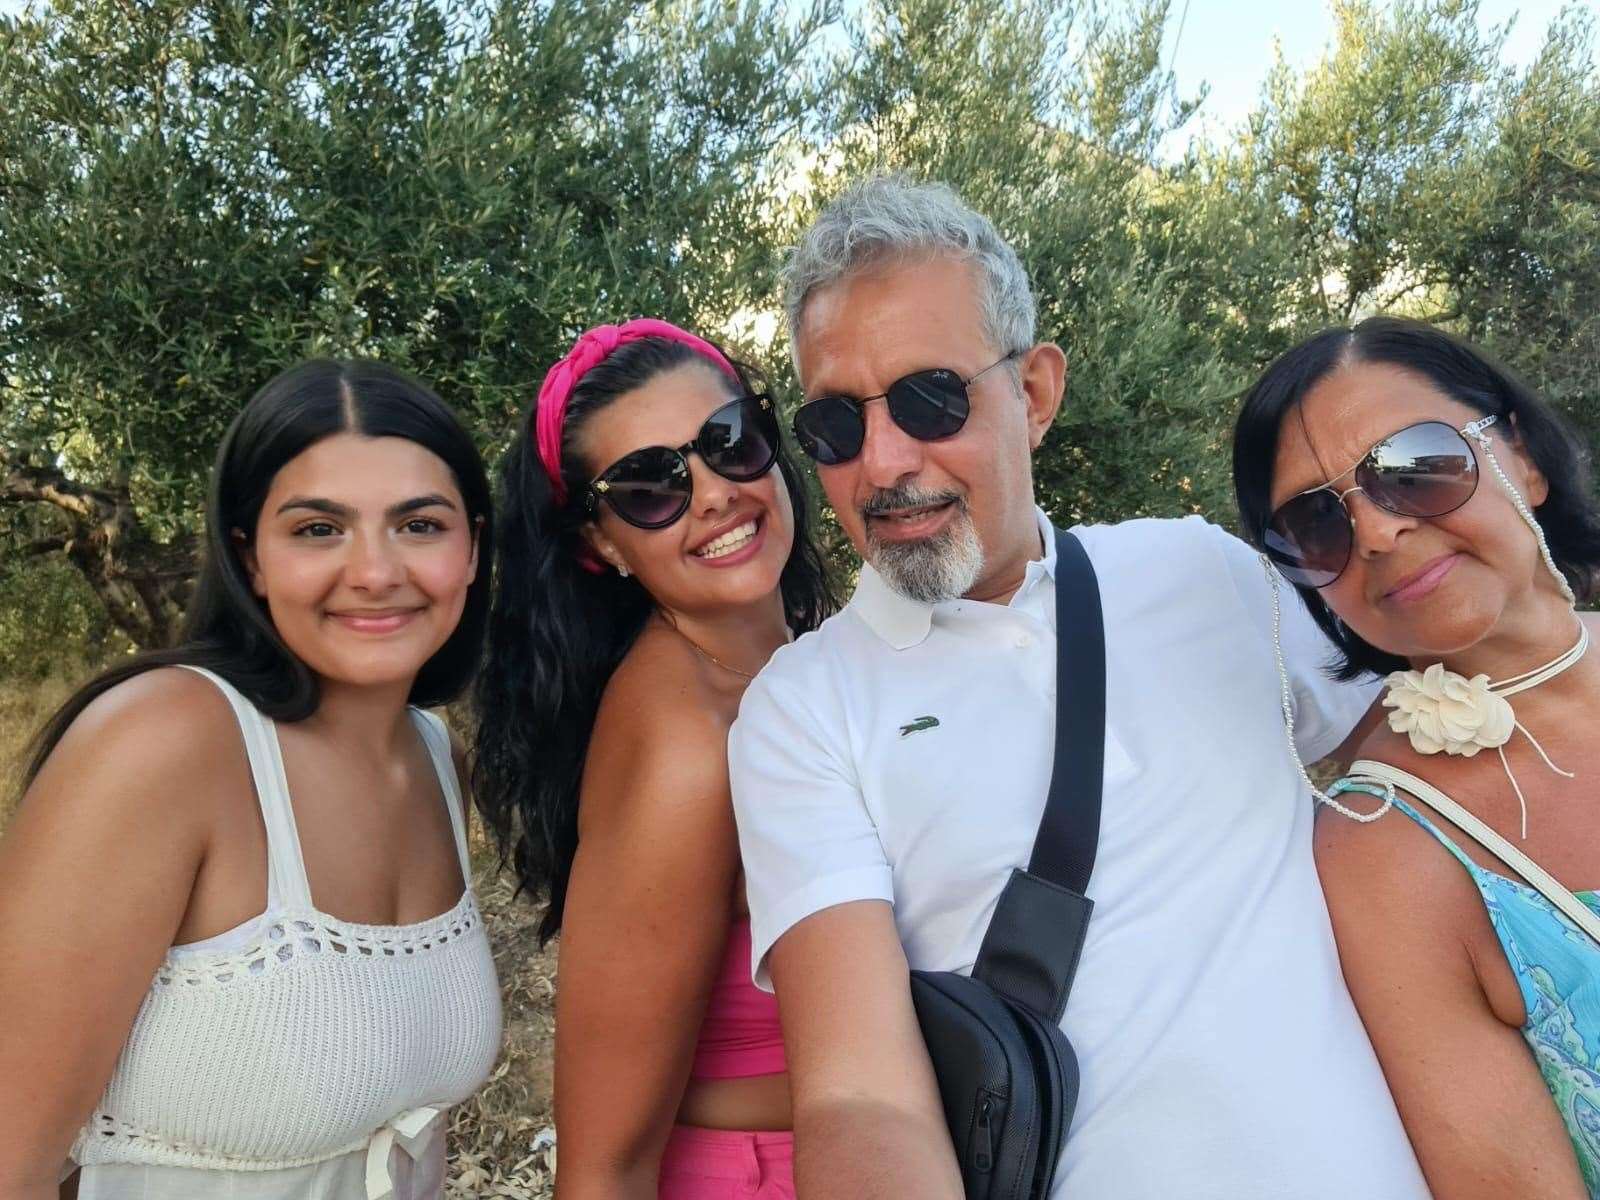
(1407, 919)
(643, 932)
(96, 871)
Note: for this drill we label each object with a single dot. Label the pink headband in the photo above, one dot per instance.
(589, 351)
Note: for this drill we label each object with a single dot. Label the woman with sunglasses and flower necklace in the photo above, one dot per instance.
(653, 561)
(1436, 516)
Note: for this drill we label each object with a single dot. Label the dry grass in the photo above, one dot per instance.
(22, 707)
(501, 1141)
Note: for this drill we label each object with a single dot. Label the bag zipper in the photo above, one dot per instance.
(983, 1141)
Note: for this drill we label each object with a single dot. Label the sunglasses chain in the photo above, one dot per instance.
(1286, 696)
(1476, 430)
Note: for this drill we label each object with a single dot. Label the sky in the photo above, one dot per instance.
(1228, 44)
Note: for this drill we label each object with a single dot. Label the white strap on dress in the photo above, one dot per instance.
(437, 740)
(1538, 878)
(287, 885)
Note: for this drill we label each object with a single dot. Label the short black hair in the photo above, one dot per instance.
(1569, 515)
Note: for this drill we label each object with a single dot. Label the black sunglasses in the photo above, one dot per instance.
(1423, 470)
(651, 487)
(928, 405)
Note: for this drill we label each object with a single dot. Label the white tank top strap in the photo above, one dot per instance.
(437, 739)
(287, 884)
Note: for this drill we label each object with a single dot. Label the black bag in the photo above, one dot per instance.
(1007, 1076)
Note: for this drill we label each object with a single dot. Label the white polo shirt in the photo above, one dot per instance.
(902, 752)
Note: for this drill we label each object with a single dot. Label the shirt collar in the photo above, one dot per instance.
(903, 622)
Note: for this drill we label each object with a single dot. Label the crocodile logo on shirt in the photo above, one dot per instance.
(918, 725)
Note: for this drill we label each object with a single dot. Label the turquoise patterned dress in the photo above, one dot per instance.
(1557, 967)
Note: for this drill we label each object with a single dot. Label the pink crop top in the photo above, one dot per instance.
(740, 1036)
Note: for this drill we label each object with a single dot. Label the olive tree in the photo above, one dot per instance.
(195, 194)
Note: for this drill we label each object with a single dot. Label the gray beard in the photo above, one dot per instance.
(943, 567)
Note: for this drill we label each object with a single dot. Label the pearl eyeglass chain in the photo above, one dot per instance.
(1286, 696)
(1476, 431)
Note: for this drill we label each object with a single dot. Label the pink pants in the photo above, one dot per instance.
(718, 1164)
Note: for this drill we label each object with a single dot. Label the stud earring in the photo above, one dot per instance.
(622, 570)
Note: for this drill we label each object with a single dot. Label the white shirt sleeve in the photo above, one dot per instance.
(805, 835)
(1325, 710)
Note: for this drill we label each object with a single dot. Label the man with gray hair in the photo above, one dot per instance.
(889, 770)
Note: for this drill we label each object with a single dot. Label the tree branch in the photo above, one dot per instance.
(45, 546)
(23, 481)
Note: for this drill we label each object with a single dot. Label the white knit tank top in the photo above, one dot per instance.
(300, 1055)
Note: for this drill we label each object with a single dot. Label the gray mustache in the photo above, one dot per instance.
(888, 500)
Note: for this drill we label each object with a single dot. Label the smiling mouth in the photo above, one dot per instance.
(728, 543)
(377, 620)
(910, 523)
(1420, 583)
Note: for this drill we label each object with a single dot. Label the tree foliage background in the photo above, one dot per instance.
(196, 193)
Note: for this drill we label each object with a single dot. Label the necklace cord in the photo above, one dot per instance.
(702, 651)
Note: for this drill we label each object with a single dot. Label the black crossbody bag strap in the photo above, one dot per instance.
(1031, 950)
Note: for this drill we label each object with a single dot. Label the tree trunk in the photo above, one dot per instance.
(144, 584)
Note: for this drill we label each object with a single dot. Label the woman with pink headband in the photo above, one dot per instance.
(651, 562)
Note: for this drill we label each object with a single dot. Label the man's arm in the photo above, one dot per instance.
(1331, 718)
(1346, 751)
(867, 1117)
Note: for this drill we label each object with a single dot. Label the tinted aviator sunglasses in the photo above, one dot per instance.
(651, 487)
(928, 405)
(1423, 470)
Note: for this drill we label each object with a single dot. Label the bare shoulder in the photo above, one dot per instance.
(1391, 873)
(1376, 857)
(661, 736)
(168, 721)
(154, 760)
(1379, 853)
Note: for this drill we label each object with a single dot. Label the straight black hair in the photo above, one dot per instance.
(227, 629)
(1569, 515)
(558, 631)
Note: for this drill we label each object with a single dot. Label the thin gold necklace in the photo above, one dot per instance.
(702, 651)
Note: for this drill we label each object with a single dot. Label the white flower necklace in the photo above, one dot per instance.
(1439, 709)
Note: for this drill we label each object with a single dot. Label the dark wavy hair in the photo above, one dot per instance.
(227, 629)
(1569, 515)
(557, 631)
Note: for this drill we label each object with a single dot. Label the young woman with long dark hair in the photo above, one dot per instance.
(1437, 518)
(239, 950)
(651, 560)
